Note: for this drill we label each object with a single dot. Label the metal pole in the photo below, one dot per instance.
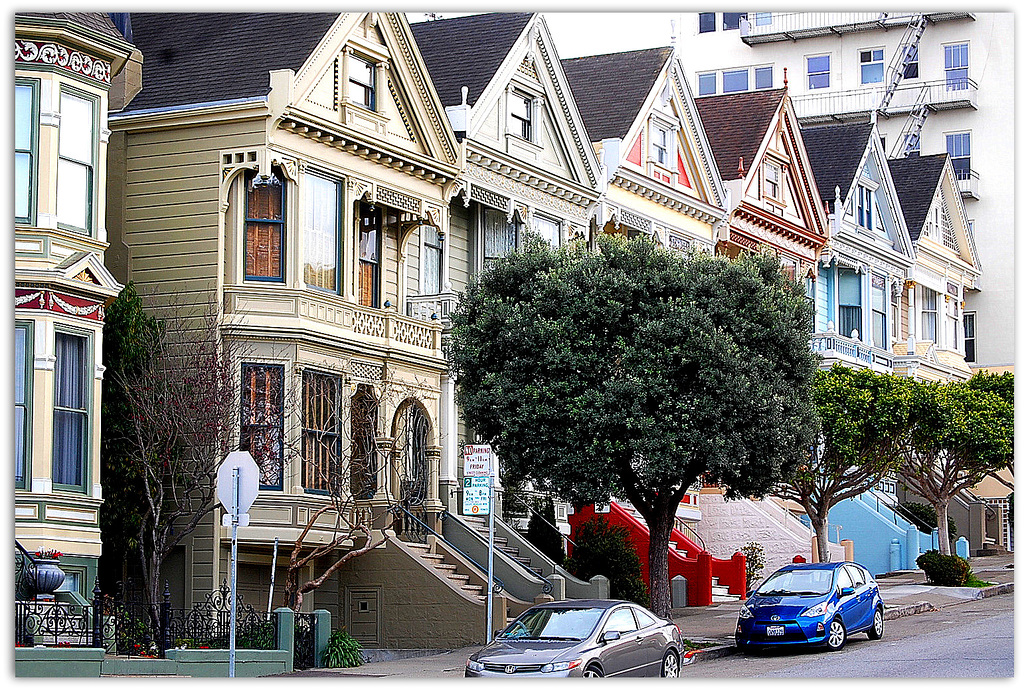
(273, 570)
(490, 551)
(234, 569)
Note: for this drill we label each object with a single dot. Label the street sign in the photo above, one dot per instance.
(248, 480)
(476, 496)
(477, 461)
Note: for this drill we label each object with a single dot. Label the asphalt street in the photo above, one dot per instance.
(969, 640)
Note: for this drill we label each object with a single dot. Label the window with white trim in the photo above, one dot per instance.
(362, 82)
(957, 63)
(952, 323)
(970, 320)
(707, 84)
(76, 158)
(929, 313)
(660, 143)
(865, 206)
(958, 146)
(763, 77)
(879, 315)
(23, 370)
(433, 252)
(731, 20)
(320, 231)
(501, 236)
(910, 62)
(849, 303)
(772, 180)
(872, 66)
(818, 71)
(520, 113)
(734, 81)
(70, 410)
(26, 128)
(549, 229)
(705, 22)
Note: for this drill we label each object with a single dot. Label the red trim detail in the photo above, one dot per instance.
(684, 180)
(635, 154)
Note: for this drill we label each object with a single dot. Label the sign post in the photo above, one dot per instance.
(237, 486)
(478, 499)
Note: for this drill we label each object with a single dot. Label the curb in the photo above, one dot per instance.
(909, 610)
(996, 589)
(708, 653)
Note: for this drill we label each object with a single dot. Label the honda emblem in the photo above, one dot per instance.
(510, 669)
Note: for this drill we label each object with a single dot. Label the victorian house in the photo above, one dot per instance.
(70, 69)
(295, 170)
(869, 255)
(527, 161)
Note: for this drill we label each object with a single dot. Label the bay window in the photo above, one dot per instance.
(262, 429)
(879, 315)
(264, 228)
(26, 122)
(549, 229)
(76, 157)
(370, 235)
(70, 410)
(501, 235)
(321, 222)
(23, 370)
(849, 302)
(321, 431)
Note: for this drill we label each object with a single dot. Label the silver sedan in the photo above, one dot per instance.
(589, 638)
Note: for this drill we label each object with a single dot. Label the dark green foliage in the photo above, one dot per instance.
(342, 651)
(540, 532)
(604, 549)
(997, 384)
(945, 571)
(129, 337)
(926, 516)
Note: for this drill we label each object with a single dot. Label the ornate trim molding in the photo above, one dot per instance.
(54, 54)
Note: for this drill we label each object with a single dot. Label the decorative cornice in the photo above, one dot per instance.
(56, 55)
(480, 168)
(665, 197)
(841, 248)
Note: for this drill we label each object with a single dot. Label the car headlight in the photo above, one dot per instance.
(817, 610)
(745, 612)
(560, 666)
(474, 665)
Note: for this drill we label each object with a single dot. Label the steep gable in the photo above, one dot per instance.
(836, 153)
(916, 179)
(736, 125)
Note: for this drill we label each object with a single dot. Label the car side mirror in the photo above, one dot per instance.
(611, 636)
(846, 591)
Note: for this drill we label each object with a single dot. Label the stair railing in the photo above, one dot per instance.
(498, 585)
(542, 518)
(689, 533)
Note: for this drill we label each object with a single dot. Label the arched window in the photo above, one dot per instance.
(413, 436)
(363, 468)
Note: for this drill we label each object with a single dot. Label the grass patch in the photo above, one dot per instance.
(690, 645)
(975, 582)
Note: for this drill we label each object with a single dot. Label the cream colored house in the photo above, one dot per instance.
(64, 67)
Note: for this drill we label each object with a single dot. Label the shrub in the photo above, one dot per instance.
(755, 561)
(604, 549)
(926, 516)
(541, 534)
(342, 651)
(945, 571)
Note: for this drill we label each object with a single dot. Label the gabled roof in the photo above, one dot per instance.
(916, 179)
(610, 89)
(836, 152)
(736, 125)
(99, 22)
(467, 51)
(218, 56)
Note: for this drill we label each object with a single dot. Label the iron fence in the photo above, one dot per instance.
(305, 641)
(53, 624)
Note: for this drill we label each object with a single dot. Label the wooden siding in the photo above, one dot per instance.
(458, 245)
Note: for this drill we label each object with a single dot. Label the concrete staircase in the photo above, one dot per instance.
(479, 525)
(446, 568)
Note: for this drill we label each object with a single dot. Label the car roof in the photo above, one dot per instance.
(583, 604)
(816, 566)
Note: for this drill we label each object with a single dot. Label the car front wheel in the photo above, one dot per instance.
(593, 671)
(836, 635)
(877, 625)
(670, 664)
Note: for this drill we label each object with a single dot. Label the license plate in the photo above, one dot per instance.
(776, 630)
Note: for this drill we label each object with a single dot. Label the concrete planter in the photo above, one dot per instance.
(48, 576)
(57, 662)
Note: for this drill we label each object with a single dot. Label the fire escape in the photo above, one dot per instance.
(906, 55)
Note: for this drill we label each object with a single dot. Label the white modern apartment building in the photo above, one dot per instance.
(936, 82)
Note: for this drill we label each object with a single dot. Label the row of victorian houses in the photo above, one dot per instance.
(332, 182)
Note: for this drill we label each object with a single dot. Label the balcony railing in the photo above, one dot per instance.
(781, 26)
(969, 182)
(937, 95)
(432, 307)
(855, 352)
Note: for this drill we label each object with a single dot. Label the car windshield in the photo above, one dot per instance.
(796, 582)
(553, 624)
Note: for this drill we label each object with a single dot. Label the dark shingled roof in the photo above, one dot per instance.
(467, 51)
(736, 124)
(916, 179)
(835, 152)
(609, 89)
(218, 56)
(99, 22)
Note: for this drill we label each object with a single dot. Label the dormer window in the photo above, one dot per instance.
(362, 82)
(660, 145)
(865, 202)
(773, 181)
(520, 111)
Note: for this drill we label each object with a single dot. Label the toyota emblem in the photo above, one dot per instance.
(510, 669)
(776, 618)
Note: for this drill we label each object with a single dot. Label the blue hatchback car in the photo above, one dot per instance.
(815, 604)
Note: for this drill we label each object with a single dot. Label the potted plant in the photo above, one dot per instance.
(49, 576)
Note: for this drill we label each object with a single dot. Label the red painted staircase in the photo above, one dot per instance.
(703, 572)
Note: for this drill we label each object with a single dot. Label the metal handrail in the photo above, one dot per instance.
(688, 532)
(542, 518)
(897, 509)
(548, 586)
(498, 584)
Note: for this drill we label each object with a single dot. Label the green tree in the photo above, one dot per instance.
(960, 433)
(605, 549)
(634, 370)
(540, 530)
(129, 338)
(863, 418)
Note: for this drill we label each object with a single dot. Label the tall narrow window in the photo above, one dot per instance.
(910, 63)
(370, 232)
(872, 66)
(321, 201)
(969, 335)
(363, 468)
(772, 181)
(659, 145)
(414, 433)
(818, 70)
(952, 323)
(501, 236)
(362, 83)
(929, 314)
(25, 128)
(958, 146)
(520, 110)
(879, 316)
(321, 432)
(849, 303)
(957, 63)
(22, 409)
(865, 202)
(262, 432)
(75, 162)
(433, 253)
(264, 228)
(70, 409)
(549, 229)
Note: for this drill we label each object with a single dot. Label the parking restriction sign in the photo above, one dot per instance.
(476, 496)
